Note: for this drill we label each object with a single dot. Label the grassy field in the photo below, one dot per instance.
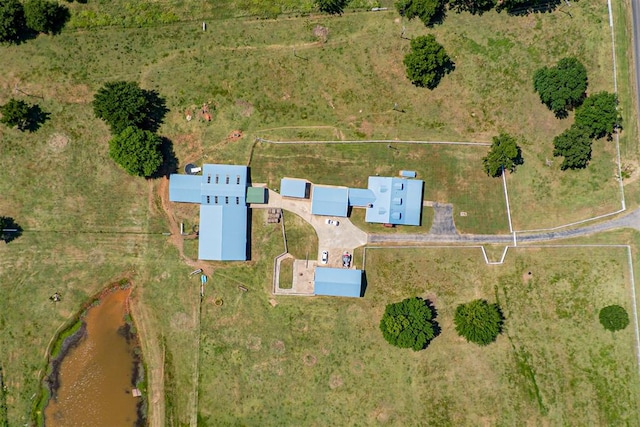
(321, 360)
(87, 223)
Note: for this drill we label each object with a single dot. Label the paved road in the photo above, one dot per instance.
(630, 220)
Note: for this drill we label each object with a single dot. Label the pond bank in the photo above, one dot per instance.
(95, 368)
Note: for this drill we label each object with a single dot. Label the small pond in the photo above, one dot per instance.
(96, 377)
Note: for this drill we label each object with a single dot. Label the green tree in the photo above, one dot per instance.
(15, 113)
(409, 324)
(614, 318)
(472, 6)
(12, 21)
(562, 87)
(121, 104)
(478, 321)
(427, 62)
(574, 144)
(137, 151)
(599, 114)
(504, 152)
(333, 7)
(429, 11)
(45, 16)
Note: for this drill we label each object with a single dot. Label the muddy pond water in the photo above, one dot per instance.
(95, 377)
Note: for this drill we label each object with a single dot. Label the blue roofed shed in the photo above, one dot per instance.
(339, 282)
(397, 201)
(185, 188)
(293, 187)
(330, 201)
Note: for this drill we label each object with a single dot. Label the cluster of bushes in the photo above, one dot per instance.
(19, 21)
(134, 115)
(411, 323)
(563, 88)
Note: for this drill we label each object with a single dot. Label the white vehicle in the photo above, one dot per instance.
(332, 222)
(325, 257)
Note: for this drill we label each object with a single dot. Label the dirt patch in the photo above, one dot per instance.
(630, 172)
(278, 346)
(246, 108)
(357, 367)
(381, 415)
(527, 276)
(321, 33)
(180, 321)
(235, 135)
(309, 359)
(57, 141)
(254, 343)
(366, 128)
(335, 381)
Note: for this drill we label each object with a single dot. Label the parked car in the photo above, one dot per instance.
(325, 257)
(332, 222)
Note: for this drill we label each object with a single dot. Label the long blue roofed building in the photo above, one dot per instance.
(221, 192)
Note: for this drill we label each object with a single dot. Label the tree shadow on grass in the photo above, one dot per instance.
(434, 313)
(533, 6)
(156, 110)
(9, 229)
(170, 161)
(35, 118)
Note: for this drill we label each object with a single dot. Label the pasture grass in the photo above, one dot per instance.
(553, 363)
(87, 223)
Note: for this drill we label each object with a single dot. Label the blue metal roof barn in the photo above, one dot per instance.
(330, 201)
(339, 282)
(293, 187)
(397, 201)
(221, 192)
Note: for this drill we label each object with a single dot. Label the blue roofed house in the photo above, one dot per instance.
(397, 201)
(339, 282)
(221, 192)
(330, 200)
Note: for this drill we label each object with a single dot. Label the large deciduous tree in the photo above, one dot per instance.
(614, 318)
(44, 16)
(574, 144)
(427, 62)
(121, 104)
(333, 7)
(428, 11)
(478, 321)
(15, 113)
(409, 324)
(599, 114)
(504, 153)
(562, 87)
(137, 151)
(12, 21)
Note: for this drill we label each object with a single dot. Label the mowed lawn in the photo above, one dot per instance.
(323, 361)
(452, 174)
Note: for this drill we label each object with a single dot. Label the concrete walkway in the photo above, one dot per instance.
(335, 240)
